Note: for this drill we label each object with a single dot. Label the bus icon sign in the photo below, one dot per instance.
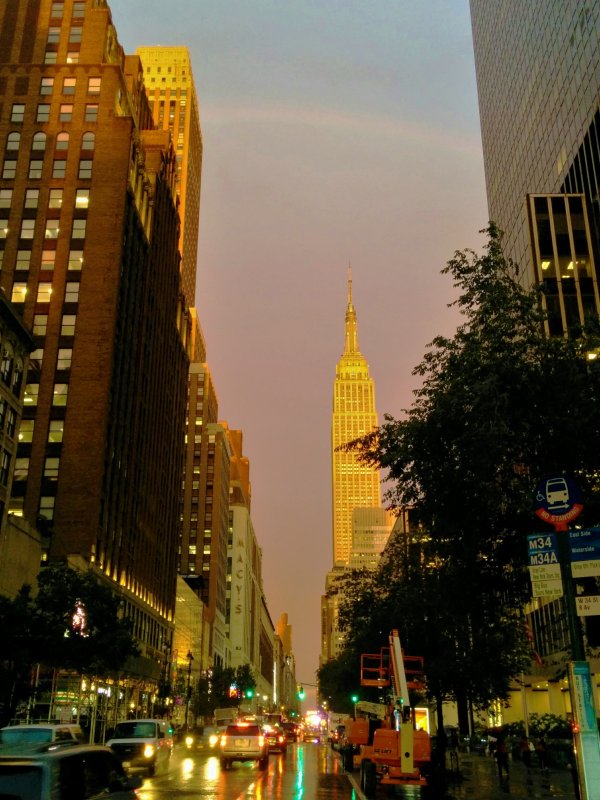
(557, 501)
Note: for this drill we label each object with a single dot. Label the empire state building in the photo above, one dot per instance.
(354, 485)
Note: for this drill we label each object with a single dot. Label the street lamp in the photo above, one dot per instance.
(190, 658)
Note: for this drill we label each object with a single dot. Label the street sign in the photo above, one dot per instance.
(557, 501)
(588, 605)
(542, 549)
(585, 553)
(544, 567)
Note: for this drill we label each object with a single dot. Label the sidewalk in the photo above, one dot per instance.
(480, 781)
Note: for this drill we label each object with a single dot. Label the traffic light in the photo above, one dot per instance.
(354, 698)
(249, 693)
(301, 693)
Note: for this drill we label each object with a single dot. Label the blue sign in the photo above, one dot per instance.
(542, 549)
(558, 501)
(585, 544)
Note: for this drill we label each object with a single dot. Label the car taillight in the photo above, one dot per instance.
(280, 739)
(223, 740)
(261, 741)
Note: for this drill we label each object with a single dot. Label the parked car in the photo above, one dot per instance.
(38, 733)
(337, 736)
(243, 741)
(276, 739)
(63, 771)
(142, 743)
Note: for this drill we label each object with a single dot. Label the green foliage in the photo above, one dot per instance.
(550, 726)
(213, 690)
(501, 405)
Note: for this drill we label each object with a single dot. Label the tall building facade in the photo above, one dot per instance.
(538, 81)
(354, 484)
(171, 92)
(90, 259)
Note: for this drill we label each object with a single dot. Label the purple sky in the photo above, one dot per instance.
(335, 131)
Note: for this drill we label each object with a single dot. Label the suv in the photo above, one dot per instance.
(243, 741)
(64, 772)
(38, 733)
(142, 743)
(276, 738)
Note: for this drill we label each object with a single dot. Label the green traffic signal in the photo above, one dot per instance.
(249, 693)
(301, 693)
(354, 698)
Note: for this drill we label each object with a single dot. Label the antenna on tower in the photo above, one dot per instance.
(349, 283)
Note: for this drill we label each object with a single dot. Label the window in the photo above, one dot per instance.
(32, 197)
(11, 422)
(39, 141)
(78, 9)
(46, 85)
(3, 228)
(91, 112)
(85, 169)
(51, 467)
(88, 141)
(62, 141)
(52, 229)
(55, 430)
(21, 469)
(35, 168)
(58, 9)
(48, 259)
(32, 391)
(23, 259)
(53, 35)
(63, 360)
(17, 378)
(13, 140)
(5, 198)
(43, 112)
(82, 198)
(18, 112)
(94, 85)
(72, 292)
(69, 85)
(19, 291)
(59, 168)
(4, 467)
(44, 292)
(73, 57)
(78, 231)
(47, 507)
(55, 198)
(9, 170)
(59, 395)
(65, 113)
(75, 33)
(67, 327)
(50, 57)
(35, 359)
(6, 365)
(27, 228)
(40, 324)
(75, 259)
(15, 507)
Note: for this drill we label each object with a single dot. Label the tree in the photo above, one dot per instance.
(500, 406)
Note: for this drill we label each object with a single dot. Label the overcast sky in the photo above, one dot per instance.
(334, 131)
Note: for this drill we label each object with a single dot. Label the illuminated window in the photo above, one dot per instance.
(46, 85)
(48, 259)
(55, 430)
(52, 229)
(73, 57)
(40, 324)
(5, 198)
(63, 361)
(3, 228)
(94, 85)
(51, 467)
(32, 391)
(47, 507)
(65, 113)
(44, 293)
(59, 395)
(75, 259)
(62, 141)
(32, 197)
(19, 291)
(67, 327)
(72, 292)
(69, 85)
(27, 228)
(55, 198)
(82, 198)
(26, 430)
(17, 113)
(21, 469)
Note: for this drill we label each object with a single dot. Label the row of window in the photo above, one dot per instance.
(55, 198)
(75, 34)
(57, 9)
(11, 370)
(69, 85)
(40, 139)
(44, 292)
(46, 509)
(8, 418)
(47, 262)
(67, 324)
(59, 395)
(59, 169)
(17, 113)
(51, 231)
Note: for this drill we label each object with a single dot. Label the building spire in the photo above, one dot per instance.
(351, 324)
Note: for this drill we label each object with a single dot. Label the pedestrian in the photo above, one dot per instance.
(540, 750)
(502, 756)
(525, 747)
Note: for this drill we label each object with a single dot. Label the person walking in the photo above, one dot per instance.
(540, 750)
(502, 757)
(525, 747)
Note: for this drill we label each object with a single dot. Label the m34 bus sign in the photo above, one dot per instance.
(544, 566)
(558, 502)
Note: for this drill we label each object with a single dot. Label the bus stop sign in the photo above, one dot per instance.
(558, 502)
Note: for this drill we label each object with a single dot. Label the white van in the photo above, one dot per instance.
(143, 743)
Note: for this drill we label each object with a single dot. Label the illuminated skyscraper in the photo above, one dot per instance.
(170, 89)
(354, 485)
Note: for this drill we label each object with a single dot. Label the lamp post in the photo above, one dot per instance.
(190, 658)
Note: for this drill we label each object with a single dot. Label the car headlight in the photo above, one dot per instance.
(213, 739)
(149, 751)
(189, 740)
